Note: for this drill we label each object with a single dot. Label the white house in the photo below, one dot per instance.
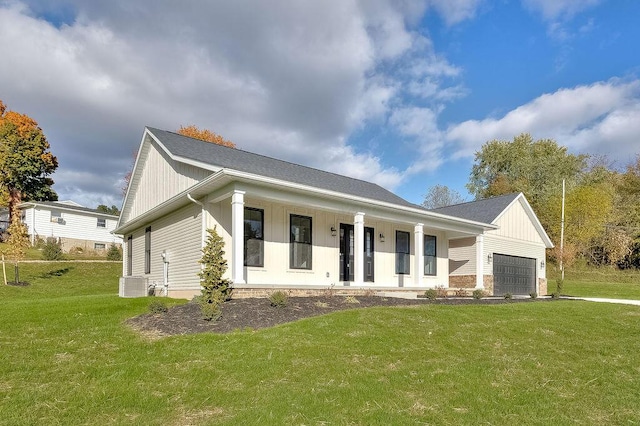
(74, 225)
(284, 225)
(513, 256)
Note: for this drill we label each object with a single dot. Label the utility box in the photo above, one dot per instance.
(133, 287)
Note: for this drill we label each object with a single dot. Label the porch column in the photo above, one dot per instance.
(237, 237)
(358, 256)
(480, 261)
(418, 257)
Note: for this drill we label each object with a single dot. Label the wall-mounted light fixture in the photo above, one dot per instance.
(333, 231)
(489, 258)
(381, 237)
(542, 264)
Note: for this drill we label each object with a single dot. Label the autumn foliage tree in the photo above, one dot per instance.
(205, 135)
(25, 160)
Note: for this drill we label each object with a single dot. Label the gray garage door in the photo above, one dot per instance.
(515, 275)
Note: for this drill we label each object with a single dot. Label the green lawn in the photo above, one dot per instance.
(598, 282)
(67, 358)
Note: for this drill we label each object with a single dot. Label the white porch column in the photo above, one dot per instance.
(237, 237)
(418, 257)
(480, 261)
(358, 256)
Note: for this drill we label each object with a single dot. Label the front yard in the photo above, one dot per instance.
(68, 358)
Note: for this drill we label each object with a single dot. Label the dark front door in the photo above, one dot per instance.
(347, 248)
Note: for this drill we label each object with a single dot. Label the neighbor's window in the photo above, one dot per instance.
(56, 216)
(99, 246)
(253, 237)
(300, 250)
(102, 223)
(130, 255)
(403, 257)
(147, 250)
(429, 255)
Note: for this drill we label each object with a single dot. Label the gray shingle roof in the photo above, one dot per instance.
(243, 161)
(485, 211)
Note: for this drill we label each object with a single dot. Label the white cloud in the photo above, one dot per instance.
(600, 118)
(455, 11)
(552, 10)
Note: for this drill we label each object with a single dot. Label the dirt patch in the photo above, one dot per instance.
(256, 313)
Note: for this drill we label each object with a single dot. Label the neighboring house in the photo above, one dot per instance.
(515, 252)
(284, 225)
(76, 227)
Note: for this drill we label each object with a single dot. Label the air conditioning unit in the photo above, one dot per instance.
(133, 287)
(60, 221)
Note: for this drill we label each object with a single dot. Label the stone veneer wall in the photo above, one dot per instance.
(469, 282)
(542, 284)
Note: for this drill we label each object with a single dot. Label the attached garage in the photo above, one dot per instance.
(513, 274)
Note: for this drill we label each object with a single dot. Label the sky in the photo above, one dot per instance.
(400, 93)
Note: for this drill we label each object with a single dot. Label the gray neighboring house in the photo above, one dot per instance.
(284, 225)
(513, 255)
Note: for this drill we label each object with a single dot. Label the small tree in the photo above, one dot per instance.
(215, 289)
(52, 249)
(18, 240)
(114, 252)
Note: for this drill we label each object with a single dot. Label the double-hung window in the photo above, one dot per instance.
(403, 253)
(253, 237)
(430, 260)
(300, 247)
(102, 223)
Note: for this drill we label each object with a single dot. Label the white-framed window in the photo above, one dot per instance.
(102, 223)
(99, 246)
(56, 217)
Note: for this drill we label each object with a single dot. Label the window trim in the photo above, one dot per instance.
(147, 250)
(130, 255)
(292, 242)
(407, 264)
(95, 246)
(261, 264)
(434, 256)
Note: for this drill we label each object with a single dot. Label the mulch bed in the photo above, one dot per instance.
(256, 313)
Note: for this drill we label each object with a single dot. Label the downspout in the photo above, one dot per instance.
(203, 225)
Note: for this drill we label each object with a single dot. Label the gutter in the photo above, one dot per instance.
(203, 221)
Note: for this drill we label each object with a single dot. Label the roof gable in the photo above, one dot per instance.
(213, 156)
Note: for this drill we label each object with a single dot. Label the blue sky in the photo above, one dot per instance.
(399, 93)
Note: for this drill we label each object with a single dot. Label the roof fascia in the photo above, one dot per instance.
(35, 205)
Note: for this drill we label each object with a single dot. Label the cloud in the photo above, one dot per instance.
(455, 11)
(552, 10)
(599, 118)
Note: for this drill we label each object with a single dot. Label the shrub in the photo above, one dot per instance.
(52, 249)
(508, 296)
(158, 307)
(278, 299)
(114, 252)
(215, 289)
(555, 295)
(351, 300)
(461, 292)
(533, 295)
(478, 294)
(442, 291)
(431, 294)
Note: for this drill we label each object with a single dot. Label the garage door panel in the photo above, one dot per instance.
(513, 274)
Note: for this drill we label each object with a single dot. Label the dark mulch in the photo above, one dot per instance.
(255, 313)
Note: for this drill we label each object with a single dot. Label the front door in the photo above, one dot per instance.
(347, 248)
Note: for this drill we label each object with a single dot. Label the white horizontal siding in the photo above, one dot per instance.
(77, 225)
(462, 256)
(512, 247)
(179, 235)
(160, 179)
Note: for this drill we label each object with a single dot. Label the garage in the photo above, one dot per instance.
(512, 274)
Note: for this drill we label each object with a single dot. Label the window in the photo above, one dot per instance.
(99, 246)
(102, 223)
(147, 250)
(430, 255)
(130, 255)
(403, 257)
(253, 237)
(56, 216)
(300, 252)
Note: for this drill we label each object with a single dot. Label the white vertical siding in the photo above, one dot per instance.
(179, 235)
(160, 179)
(516, 224)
